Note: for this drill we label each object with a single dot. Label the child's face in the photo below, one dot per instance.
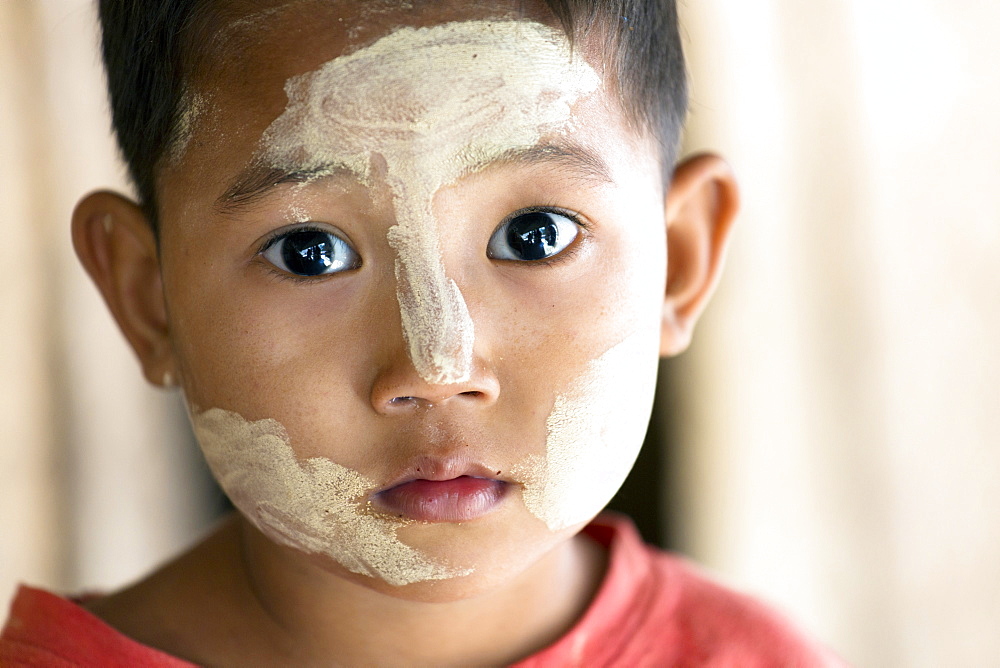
(461, 281)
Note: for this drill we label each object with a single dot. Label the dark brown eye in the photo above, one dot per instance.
(310, 252)
(532, 236)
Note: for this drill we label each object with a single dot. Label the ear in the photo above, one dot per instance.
(117, 247)
(701, 205)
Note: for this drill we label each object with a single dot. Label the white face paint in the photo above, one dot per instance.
(434, 103)
(193, 107)
(594, 434)
(313, 505)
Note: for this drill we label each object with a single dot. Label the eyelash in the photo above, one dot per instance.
(273, 237)
(279, 275)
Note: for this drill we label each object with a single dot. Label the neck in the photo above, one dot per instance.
(310, 615)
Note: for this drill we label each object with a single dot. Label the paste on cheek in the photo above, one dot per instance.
(312, 505)
(433, 103)
(594, 433)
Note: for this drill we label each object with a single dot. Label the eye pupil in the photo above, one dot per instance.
(533, 236)
(308, 253)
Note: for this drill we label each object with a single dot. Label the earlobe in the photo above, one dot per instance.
(700, 209)
(117, 247)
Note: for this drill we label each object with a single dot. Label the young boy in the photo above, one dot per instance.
(408, 263)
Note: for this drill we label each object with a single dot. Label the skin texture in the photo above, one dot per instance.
(327, 360)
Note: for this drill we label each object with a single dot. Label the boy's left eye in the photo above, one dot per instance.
(310, 252)
(532, 236)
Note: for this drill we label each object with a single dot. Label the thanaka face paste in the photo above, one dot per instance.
(593, 435)
(433, 104)
(313, 505)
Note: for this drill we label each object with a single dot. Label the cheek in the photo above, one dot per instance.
(593, 434)
(249, 342)
(314, 505)
(599, 417)
(287, 354)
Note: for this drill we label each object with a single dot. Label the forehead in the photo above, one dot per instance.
(252, 53)
(281, 38)
(240, 49)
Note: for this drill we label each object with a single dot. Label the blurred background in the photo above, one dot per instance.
(830, 442)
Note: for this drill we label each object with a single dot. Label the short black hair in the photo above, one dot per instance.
(149, 52)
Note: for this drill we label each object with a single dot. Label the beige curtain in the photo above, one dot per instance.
(95, 472)
(838, 413)
(840, 418)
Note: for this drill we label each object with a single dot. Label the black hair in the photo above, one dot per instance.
(149, 53)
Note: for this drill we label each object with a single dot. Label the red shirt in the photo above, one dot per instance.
(652, 609)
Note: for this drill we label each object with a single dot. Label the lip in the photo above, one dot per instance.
(459, 499)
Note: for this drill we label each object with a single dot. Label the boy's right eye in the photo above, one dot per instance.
(310, 251)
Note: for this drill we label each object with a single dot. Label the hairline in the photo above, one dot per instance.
(647, 75)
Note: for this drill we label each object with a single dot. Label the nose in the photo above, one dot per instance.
(438, 333)
(398, 389)
(436, 324)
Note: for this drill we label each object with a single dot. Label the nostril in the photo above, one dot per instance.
(419, 401)
(472, 394)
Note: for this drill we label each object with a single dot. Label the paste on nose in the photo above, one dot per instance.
(438, 330)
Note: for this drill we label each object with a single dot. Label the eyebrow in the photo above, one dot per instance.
(260, 179)
(580, 161)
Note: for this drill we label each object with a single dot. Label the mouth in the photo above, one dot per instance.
(460, 499)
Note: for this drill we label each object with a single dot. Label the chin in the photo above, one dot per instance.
(477, 558)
